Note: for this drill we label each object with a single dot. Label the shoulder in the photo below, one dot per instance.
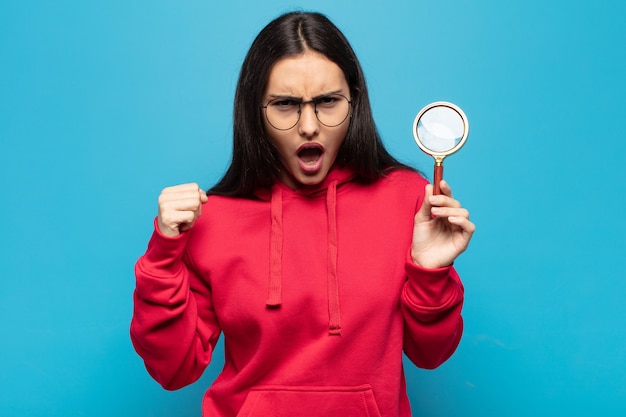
(404, 187)
(224, 210)
(225, 219)
(404, 177)
(397, 188)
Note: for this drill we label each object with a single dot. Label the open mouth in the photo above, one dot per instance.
(310, 155)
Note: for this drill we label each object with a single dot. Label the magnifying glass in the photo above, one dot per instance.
(440, 129)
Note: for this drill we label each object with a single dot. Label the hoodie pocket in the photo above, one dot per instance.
(282, 401)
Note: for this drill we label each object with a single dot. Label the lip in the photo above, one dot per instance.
(310, 168)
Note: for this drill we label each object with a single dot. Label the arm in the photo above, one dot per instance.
(174, 328)
(432, 297)
(431, 304)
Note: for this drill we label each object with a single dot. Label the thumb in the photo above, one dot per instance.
(424, 213)
(203, 197)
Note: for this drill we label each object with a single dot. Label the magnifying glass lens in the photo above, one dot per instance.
(440, 129)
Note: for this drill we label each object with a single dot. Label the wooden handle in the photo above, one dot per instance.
(437, 178)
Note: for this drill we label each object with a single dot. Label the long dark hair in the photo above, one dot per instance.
(255, 162)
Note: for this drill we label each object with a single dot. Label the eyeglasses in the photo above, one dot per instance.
(284, 113)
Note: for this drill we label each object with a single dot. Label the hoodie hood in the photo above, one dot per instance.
(335, 178)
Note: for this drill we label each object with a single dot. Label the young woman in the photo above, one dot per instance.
(318, 256)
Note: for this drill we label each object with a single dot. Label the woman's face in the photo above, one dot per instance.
(308, 150)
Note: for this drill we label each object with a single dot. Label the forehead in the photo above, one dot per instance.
(307, 75)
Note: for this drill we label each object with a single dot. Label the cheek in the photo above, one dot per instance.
(280, 144)
(341, 137)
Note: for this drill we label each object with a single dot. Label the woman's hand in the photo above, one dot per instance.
(442, 229)
(179, 208)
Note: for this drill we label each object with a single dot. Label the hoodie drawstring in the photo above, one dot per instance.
(334, 317)
(274, 298)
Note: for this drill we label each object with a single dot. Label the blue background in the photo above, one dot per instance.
(104, 103)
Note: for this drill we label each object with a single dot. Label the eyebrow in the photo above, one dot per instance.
(287, 96)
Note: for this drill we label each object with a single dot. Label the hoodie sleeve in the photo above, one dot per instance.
(431, 304)
(174, 327)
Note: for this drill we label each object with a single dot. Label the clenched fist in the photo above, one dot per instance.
(179, 208)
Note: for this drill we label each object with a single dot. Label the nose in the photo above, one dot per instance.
(308, 125)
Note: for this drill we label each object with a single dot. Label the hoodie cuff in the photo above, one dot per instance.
(165, 252)
(428, 288)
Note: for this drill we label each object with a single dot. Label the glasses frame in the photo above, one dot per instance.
(301, 103)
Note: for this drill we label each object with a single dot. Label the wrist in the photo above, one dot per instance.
(428, 262)
(165, 230)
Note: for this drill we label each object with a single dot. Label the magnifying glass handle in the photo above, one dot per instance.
(437, 178)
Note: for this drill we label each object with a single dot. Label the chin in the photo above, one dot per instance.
(295, 178)
(307, 180)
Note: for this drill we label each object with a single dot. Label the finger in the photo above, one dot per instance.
(445, 188)
(183, 191)
(185, 226)
(450, 212)
(445, 197)
(424, 213)
(441, 200)
(172, 195)
(464, 223)
(182, 204)
(192, 186)
(171, 223)
(179, 219)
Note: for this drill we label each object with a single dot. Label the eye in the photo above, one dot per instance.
(327, 101)
(285, 104)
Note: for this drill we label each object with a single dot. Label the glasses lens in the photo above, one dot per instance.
(332, 110)
(284, 113)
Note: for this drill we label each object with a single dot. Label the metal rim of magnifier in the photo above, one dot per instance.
(456, 147)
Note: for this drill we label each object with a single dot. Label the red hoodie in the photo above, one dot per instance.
(315, 292)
